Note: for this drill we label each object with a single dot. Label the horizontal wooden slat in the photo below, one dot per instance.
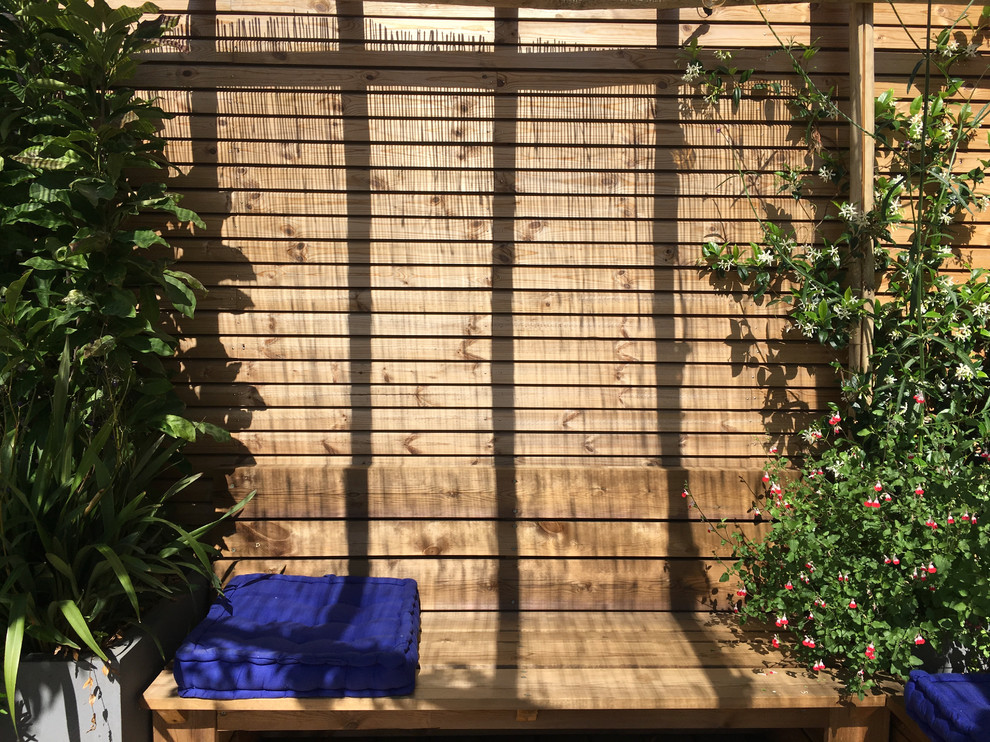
(364, 253)
(573, 419)
(227, 461)
(268, 539)
(414, 442)
(387, 396)
(293, 491)
(450, 206)
(518, 278)
(274, 299)
(538, 584)
(676, 368)
(520, 326)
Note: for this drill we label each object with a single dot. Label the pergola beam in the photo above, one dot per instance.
(654, 4)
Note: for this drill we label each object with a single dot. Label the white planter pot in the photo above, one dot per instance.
(67, 701)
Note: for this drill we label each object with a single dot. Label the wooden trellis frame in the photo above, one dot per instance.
(862, 76)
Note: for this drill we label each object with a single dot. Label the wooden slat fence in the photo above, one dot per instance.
(456, 323)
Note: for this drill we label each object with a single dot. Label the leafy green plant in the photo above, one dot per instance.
(878, 542)
(90, 417)
(85, 539)
(71, 136)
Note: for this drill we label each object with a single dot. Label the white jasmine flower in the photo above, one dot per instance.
(807, 329)
(826, 173)
(833, 253)
(764, 257)
(725, 264)
(693, 72)
(982, 310)
(723, 54)
(946, 217)
(963, 332)
(895, 205)
(849, 212)
(889, 380)
(842, 311)
(812, 254)
(984, 203)
(964, 372)
(970, 51)
(914, 126)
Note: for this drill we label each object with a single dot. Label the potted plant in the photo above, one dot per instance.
(879, 543)
(86, 550)
(91, 422)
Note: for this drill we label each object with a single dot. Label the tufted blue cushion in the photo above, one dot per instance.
(284, 635)
(950, 707)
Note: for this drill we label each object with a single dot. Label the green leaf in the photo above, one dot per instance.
(16, 617)
(78, 623)
(13, 293)
(122, 576)
(179, 427)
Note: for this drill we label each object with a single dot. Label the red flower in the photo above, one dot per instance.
(919, 639)
(776, 642)
(919, 490)
(878, 487)
(931, 568)
(852, 604)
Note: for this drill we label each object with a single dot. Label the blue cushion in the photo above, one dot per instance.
(950, 707)
(284, 635)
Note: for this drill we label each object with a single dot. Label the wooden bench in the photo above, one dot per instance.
(552, 670)
(598, 616)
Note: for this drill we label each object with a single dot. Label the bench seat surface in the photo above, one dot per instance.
(576, 660)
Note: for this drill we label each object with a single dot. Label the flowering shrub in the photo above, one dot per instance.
(879, 543)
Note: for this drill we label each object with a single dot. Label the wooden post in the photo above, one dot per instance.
(171, 725)
(858, 724)
(862, 158)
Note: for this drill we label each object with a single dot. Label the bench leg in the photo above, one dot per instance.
(852, 724)
(185, 726)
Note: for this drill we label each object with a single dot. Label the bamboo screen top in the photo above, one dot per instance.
(453, 237)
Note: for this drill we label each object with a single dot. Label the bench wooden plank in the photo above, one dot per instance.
(473, 661)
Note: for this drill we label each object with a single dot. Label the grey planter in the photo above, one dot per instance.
(56, 702)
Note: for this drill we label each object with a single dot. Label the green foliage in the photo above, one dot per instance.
(76, 268)
(879, 543)
(84, 540)
(90, 416)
